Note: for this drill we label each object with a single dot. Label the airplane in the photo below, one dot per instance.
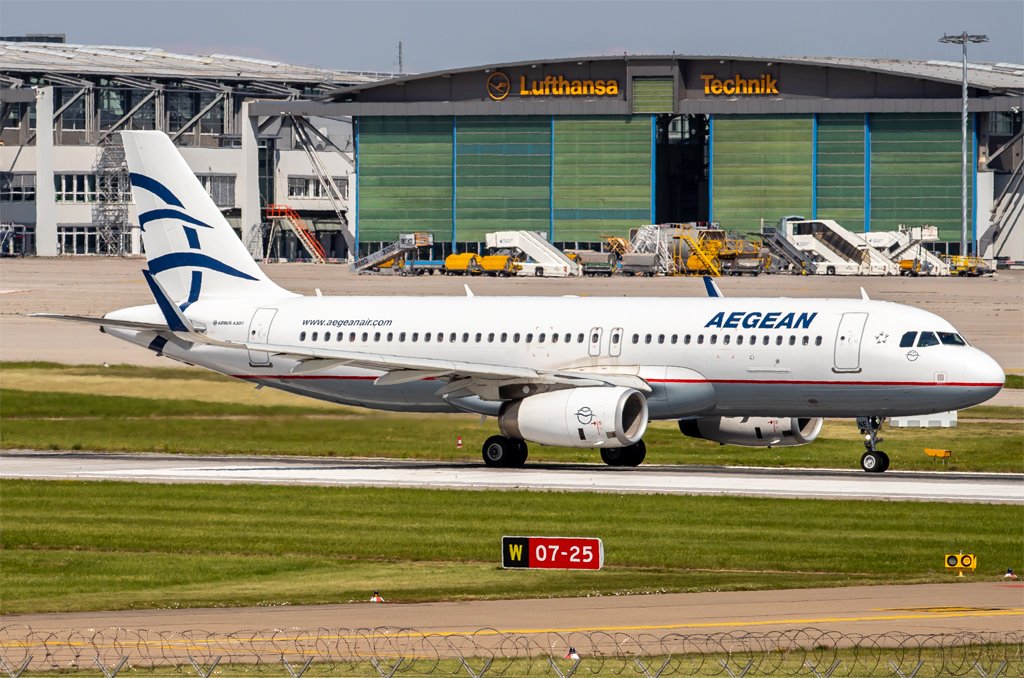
(566, 371)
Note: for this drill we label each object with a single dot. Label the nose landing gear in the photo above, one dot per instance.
(873, 460)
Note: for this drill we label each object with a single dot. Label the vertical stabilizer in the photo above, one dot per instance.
(190, 247)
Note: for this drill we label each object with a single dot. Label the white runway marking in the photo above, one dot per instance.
(958, 487)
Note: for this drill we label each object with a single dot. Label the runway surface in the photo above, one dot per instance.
(925, 608)
(690, 480)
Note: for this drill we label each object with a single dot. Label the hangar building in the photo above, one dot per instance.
(581, 148)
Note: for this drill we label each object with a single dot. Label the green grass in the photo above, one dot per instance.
(1015, 381)
(106, 545)
(79, 421)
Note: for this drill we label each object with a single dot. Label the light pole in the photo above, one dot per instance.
(963, 39)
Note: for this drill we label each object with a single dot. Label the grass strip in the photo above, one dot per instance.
(81, 421)
(109, 545)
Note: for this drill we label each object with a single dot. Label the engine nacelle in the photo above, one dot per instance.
(600, 416)
(753, 431)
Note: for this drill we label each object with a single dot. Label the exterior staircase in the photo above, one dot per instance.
(292, 219)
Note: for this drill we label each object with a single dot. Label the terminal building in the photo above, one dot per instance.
(576, 149)
(66, 191)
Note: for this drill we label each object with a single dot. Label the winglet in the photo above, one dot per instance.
(176, 320)
(711, 287)
(469, 292)
(864, 295)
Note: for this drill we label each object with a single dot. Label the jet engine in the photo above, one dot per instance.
(753, 431)
(599, 416)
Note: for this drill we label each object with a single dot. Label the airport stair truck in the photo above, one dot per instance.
(406, 243)
(306, 237)
(545, 259)
(905, 247)
(774, 237)
(835, 250)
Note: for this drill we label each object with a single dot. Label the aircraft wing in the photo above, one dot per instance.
(102, 322)
(481, 379)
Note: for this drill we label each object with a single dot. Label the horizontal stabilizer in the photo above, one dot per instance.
(102, 322)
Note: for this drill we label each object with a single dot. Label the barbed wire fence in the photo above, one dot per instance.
(390, 652)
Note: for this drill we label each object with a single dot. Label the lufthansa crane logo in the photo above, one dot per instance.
(584, 415)
(498, 86)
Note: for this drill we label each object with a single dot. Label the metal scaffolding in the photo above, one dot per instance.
(110, 211)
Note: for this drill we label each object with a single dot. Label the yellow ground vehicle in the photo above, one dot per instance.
(910, 267)
(466, 263)
(967, 266)
(501, 265)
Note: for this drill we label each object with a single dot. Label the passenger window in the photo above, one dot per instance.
(415, 336)
(615, 338)
(554, 338)
(327, 336)
(951, 339)
(806, 341)
(426, 337)
(778, 340)
(504, 337)
(515, 338)
(714, 339)
(739, 339)
(725, 339)
(817, 341)
(302, 336)
(675, 338)
(766, 340)
(465, 337)
(540, 338)
(908, 339)
(636, 338)
(315, 335)
(579, 338)
(700, 338)
(647, 338)
(401, 336)
(753, 340)
(595, 338)
(926, 339)
(452, 338)
(340, 337)
(661, 338)
(529, 337)
(376, 336)
(440, 337)
(352, 336)
(490, 338)
(568, 337)
(792, 340)
(686, 339)
(366, 335)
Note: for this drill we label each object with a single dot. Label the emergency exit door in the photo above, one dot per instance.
(848, 340)
(259, 331)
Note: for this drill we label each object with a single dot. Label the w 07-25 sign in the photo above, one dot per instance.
(552, 553)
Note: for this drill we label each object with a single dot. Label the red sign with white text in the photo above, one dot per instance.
(552, 553)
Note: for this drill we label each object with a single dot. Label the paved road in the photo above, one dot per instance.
(905, 485)
(927, 608)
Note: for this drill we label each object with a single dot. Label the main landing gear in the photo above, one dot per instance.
(873, 460)
(502, 452)
(630, 455)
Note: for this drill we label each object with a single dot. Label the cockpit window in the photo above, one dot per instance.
(908, 339)
(928, 339)
(951, 339)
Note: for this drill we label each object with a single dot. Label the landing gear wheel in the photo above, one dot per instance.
(500, 452)
(522, 452)
(874, 462)
(631, 455)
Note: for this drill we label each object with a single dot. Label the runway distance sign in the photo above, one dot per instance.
(552, 553)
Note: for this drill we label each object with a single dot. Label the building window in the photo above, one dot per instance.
(17, 187)
(114, 188)
(73, 116)
(221, 188)
(74, 187)
(311, 187)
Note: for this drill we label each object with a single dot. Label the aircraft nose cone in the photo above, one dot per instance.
(987, 376)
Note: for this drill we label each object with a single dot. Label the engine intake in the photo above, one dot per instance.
(601, 416)
(753, 431)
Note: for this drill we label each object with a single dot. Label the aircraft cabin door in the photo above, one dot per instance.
(595, 341)
(848, 340)
(259, 331)
(615, 342)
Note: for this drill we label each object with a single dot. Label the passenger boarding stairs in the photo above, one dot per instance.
(653, 239)
(308, 239)
(776, 240)
(406, 242)
(908, 243)
(547, 260)
(837, 250)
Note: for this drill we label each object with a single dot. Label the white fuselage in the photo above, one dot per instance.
(701, 356)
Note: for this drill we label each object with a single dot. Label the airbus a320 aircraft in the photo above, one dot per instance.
(568, 371)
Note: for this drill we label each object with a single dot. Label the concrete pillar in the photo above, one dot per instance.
(46, 204)
(249, 177)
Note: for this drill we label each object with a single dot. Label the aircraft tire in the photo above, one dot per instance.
(500, 452)
(635, 453)
(874, 462)
(613, 456)
(522, 452)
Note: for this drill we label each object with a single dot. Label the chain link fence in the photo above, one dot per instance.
(389, 652)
